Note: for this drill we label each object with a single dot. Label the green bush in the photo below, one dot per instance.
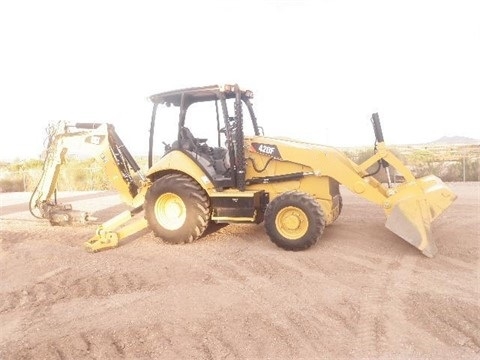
(75, 175)
(84, 175)
(12, 184)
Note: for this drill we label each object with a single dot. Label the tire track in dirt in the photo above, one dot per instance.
(371, 330)
(145, 342)
(455, 322)
(257, 278)
(381, 311)
(302, 269)
(64, 286)
(97, 345)
(206, 340)
(386, 312)
(262, 276)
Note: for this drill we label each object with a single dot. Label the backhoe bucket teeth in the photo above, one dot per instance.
(414, 207)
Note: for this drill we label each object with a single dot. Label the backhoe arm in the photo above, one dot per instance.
(99, 141)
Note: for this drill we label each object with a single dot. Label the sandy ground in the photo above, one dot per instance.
(361, 292)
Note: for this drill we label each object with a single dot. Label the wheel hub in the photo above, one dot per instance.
(170, 211)
(292, 223)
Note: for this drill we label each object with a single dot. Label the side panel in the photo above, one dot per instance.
(265, 161)
(322, 161)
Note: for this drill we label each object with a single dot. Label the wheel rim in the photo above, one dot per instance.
(170, 211)
(291, 223)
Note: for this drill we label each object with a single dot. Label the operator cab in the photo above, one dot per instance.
(211, 129)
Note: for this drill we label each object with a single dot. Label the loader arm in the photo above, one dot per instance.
(410, 207)
(100, 141)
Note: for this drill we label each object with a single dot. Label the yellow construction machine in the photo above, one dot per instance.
(242, 177)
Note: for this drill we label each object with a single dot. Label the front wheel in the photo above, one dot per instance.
(177, 209)
(340, 207)
(294, 221)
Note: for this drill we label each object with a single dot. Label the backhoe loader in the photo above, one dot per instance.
(242, 177)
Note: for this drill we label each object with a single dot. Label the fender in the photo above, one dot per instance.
(177, 160)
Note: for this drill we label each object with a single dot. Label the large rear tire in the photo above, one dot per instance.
(177, 209)
(294, 221)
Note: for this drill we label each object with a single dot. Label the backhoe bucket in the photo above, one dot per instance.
(414, 207)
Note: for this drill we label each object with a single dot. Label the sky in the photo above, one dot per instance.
(318, 68)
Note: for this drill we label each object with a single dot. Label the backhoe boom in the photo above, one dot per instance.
(99, 141)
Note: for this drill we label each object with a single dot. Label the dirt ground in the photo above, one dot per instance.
(360, 292)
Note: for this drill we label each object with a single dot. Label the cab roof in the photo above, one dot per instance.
(197, 94)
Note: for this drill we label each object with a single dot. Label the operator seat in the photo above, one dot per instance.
(214, 159)
(186, 139)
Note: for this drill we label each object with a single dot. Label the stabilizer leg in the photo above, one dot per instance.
(107, 237)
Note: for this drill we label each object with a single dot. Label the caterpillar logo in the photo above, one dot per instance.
(267, 149)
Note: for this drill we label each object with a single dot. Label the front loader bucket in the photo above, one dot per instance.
(414, 207)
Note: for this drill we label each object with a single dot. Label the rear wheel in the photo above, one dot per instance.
(177, 209)
(294, 221)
